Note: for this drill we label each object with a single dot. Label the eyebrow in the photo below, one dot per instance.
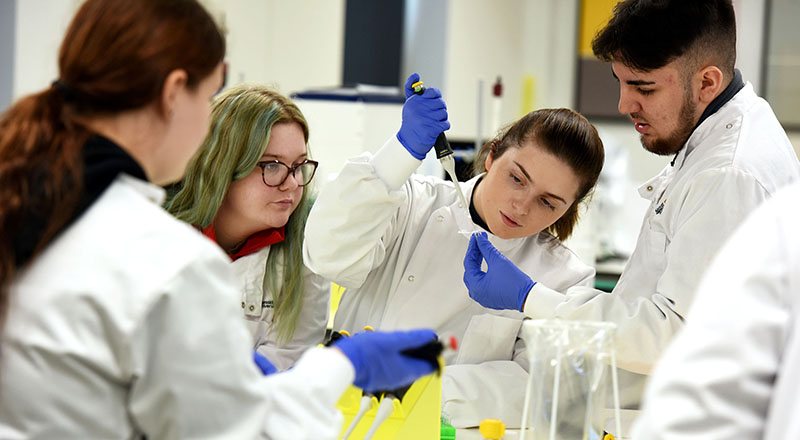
(521, 168)
(634, 82)
(275, 156)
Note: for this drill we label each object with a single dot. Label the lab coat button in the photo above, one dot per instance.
(649, 187)
(242, 304)
(440, 219)
(411, 278)
(252, 307)
(460, 205)
(729, 126)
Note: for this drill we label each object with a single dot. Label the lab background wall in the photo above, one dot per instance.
(459, 46)
(7, 27)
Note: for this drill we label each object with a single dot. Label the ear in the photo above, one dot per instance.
(489, 159)
(173, 86)
(711, 80)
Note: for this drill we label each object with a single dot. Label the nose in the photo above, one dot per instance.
(290, 183)
(627, 102)
(521, 203)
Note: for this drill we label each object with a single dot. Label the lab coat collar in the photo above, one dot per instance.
(464, 221)
(711, 123)
(151, 192)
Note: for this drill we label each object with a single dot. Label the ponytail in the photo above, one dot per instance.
(40, 179)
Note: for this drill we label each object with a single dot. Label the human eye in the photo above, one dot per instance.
(645, 92)
(515, 179)
(547, 204)
(272, 167)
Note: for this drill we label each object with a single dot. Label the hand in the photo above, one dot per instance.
(424, 117)
(263, 364)
(378, 361)
(503, 286)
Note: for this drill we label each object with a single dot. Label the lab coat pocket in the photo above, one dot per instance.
(488, 338)
(259, 326)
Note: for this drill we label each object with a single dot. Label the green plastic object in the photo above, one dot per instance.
(448, 432)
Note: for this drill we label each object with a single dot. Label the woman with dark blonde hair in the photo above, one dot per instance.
(120, 321)
(249, 189)
(395, 241)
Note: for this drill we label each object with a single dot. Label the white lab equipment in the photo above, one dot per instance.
(570, 364)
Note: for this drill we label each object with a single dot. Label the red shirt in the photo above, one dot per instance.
(254, 243)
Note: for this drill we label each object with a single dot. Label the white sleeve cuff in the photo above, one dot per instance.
(336, 375)
(542, 302)
(394, 164)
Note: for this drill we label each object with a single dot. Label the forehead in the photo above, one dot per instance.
(286, 140)
(663, 75)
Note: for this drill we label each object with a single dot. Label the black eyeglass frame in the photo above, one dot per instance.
(289, 170)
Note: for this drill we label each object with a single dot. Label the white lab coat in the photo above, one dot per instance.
(393, 242)
(732, 162)
(128, 324)
(258, 308)
(734, 371)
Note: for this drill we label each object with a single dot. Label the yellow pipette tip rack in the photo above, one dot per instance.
(416, 416)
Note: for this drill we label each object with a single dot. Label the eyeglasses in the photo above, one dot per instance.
(275, 172)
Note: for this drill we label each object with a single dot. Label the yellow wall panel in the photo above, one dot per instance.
(594, 15)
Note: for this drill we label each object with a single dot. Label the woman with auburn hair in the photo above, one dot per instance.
(395, 241)
(119, 320)
(248, 189)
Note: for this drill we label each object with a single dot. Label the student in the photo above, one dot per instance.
(120, 321)
(679, 87)
(392, 239)
(732, 371)
(248, 188)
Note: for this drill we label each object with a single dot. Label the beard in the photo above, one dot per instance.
(675, 140)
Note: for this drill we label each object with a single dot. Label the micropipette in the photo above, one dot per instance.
(445, 155)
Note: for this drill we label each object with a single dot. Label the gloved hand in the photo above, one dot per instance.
(263, 363)
(424, 117)
(503, 286)
(378, 361)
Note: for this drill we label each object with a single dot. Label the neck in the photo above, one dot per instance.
(137, 133)
(230, 233)
(477, 200)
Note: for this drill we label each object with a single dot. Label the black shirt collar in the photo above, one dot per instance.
(103, 161)
(473, 213)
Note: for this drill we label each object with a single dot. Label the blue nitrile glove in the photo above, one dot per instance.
(378, 361)
(263, 363)
(424, 117)
(503, 286)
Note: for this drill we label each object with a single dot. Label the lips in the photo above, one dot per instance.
(510, 222)
(285, 203)
(642, 128)
(640, 124)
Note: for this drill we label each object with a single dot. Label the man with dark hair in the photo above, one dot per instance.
(674, 60)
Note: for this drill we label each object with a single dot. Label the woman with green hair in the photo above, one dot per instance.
(247, 189)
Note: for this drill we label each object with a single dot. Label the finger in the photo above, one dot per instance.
(474, 257)
(435, 117)
(432, 93)
(413, 78)
(413, 338)
(487, 248)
